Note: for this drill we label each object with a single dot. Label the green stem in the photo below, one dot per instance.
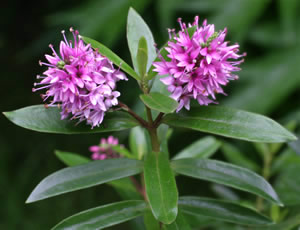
(266, 173)
(152, 131)
(154, 140)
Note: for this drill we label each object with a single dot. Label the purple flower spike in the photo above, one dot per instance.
(80, 81)
(198, 65)
(103, 150)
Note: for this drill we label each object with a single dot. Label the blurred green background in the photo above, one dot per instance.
(268, 30)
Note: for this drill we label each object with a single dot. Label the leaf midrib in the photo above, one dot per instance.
(228, 184)
(220, 122)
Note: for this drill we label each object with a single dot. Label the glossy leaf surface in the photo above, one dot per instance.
(226, 174)
(160, 187)
(71, 159)
(179, 224)
(142, 56)
(159, 102)
(111, 56)
(203, 148)
(138, 142)
(137, 28)
(222, 210)
(104, 216)
(230, 122)
(123, 187)
(40, 119)
(84, 176)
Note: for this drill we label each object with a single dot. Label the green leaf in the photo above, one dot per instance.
(71, 159)
(112, 57)
(84, 176)
(179, 224)
(139, 145)
(164, 133)
(291, 126)
(222, 210)
(40, 119)
(197, 221)
(288, 184)
(122, 151)
(142, 57)
(150, 222)
(226, 174)
(295, 145)
(159, 102)
(224, 192)
(230, 122)
(125, 189)
(203, 148)
(234, 155)
(160, 187)
(104, 216)
(137, 28)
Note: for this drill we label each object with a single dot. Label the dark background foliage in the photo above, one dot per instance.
(268, 30)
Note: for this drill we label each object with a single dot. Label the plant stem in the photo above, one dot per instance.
(152, 131)
(133, 114)
(266, 173)
(158, 119)
(154, 140)
(140, 188)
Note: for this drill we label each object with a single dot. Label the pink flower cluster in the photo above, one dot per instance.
(198, 65)
(80, 81)
(103, 150)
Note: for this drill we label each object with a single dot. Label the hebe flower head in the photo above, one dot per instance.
(199, 64)
(80, 81)
(103, 150)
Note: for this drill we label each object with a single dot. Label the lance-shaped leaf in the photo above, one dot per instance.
(122, 151)
(222, 210)
(124, 186)
(179, 224)
(203, 148)
(102, 49)
(142, 56)
(84, 176)
(137, 28)
(160, 187)
(295, 145)
(139, 142)
(40, 119)
(232, 123)
(104, 216)
(159, 102)
(71, 159)
(150, 222)
(226, 174)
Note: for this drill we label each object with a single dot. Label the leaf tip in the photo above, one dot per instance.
(29, 200)
(6, 114)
